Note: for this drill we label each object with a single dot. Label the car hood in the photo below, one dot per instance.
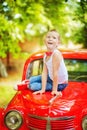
(43, 104)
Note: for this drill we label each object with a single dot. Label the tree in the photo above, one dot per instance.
(20, 20)
(9, 33)
(81, 16)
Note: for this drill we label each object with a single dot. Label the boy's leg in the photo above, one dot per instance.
(61, 87)
(34, 79)
(35, 86)
(35, 83)
(49, 84)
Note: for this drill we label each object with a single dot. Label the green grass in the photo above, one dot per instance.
(6, 94)
(14, 75)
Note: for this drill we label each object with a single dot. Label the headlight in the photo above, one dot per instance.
(84, 123)
(13, 120)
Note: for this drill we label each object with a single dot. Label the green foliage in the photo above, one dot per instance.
(79, 17)
(8, 38)
(21, 20)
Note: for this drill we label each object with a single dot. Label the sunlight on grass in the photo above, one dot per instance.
(6, 94)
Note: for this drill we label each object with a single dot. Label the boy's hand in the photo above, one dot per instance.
(58, 93)
(39, 92)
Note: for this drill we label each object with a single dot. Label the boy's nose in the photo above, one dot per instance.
(50, 38)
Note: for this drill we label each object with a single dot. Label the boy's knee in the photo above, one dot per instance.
(35, 87)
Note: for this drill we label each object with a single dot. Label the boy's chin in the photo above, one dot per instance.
(50, 48)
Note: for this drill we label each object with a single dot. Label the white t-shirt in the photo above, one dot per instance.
(62, 71)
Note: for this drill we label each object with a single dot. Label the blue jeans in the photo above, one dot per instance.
(36, 84)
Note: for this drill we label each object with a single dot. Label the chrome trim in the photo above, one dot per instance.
(84, 122)
(48, 119)
(48, 125)
(13, 110)
(52, 118)
(32, 128)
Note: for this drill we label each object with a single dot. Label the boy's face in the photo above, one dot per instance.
(51, 40)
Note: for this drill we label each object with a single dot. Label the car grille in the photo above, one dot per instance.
(49, 123)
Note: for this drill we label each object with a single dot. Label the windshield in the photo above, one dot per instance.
(77, 69)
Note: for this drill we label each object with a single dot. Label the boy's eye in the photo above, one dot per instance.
(54, 37)
(48, 36)
(51, 37)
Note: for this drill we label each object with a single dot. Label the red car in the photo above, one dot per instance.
(27, 111)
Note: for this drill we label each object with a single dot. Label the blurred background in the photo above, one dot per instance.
(23, 24)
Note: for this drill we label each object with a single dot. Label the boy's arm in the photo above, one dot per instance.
(56, 63)
(44, 77)
(44, 80)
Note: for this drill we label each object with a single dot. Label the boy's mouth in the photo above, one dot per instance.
(50, 43)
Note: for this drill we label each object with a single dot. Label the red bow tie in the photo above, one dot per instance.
(48, 53)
